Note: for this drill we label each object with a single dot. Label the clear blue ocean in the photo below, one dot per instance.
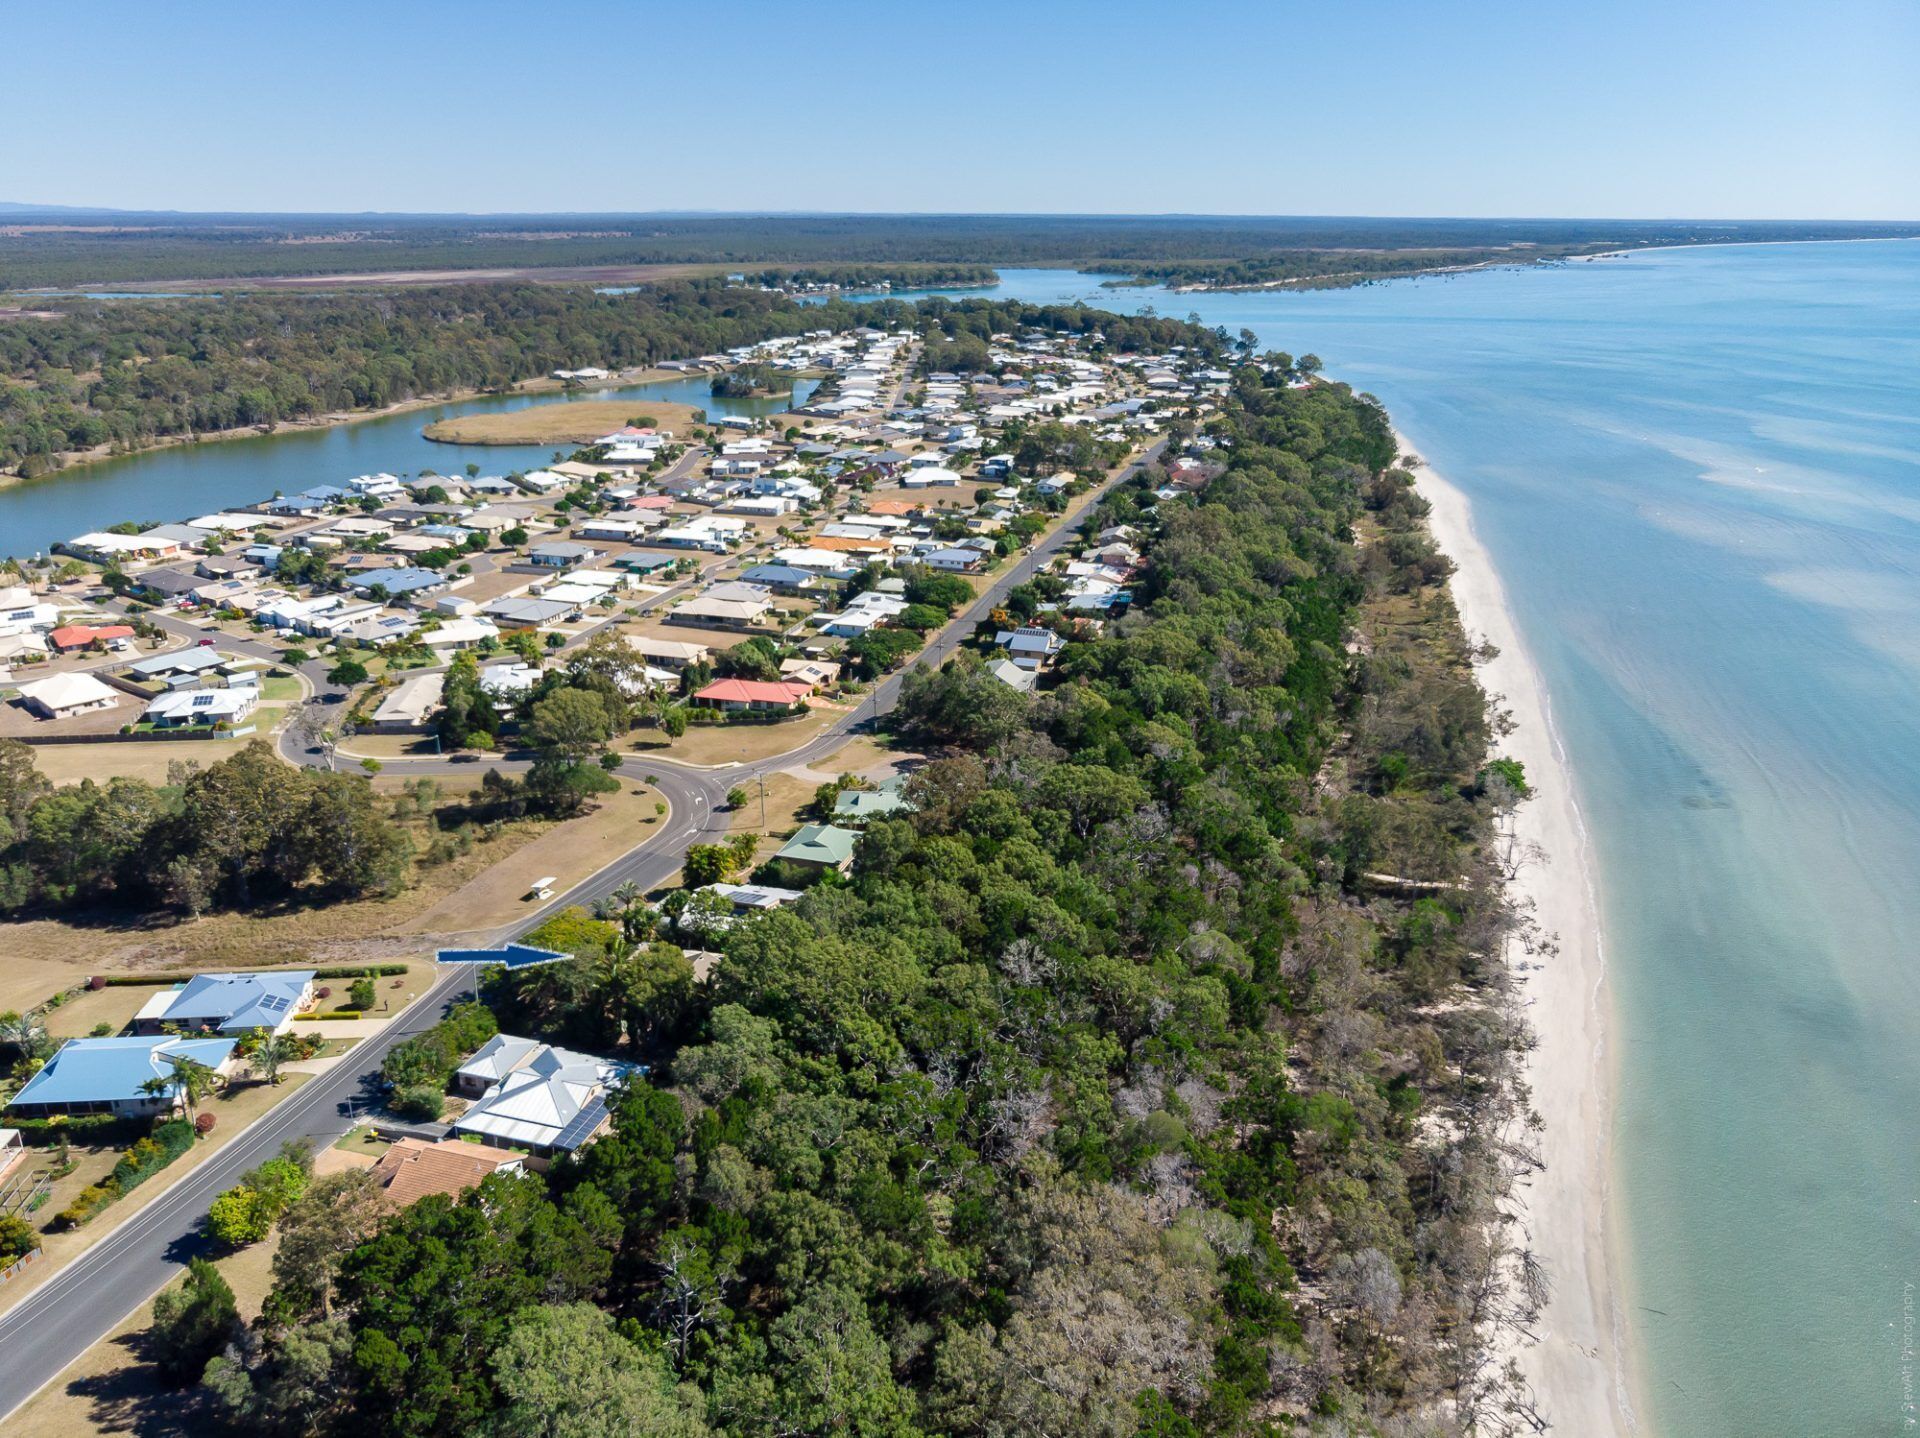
(1699, 474)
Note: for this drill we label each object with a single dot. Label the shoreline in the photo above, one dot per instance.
(1578, 1367)
(78, 461)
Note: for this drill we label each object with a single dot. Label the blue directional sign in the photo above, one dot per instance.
(514, 956)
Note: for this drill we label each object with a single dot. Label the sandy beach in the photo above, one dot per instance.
(1578, 1368)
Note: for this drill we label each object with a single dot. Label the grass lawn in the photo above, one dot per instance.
(711, 744)
(786, 795)
(117, 1006)
(573, 421)
(361, 1140)
(70, 763)
(275, 690)
(234, 1109)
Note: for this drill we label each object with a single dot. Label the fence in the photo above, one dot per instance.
(19, 1263)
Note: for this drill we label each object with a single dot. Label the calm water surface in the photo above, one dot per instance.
(1699, 473)
(190, 480)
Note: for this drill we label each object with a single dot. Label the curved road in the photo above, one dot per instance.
(86, 1300)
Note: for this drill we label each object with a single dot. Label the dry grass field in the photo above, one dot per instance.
(574, 421)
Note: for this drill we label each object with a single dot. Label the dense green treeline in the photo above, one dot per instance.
(127, 373)
(1311, 269)
(130, 250)
(1122, 1090)
(240, 832)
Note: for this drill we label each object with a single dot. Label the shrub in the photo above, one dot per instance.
(89, 1201)
(361, 995)
(17, 1238)
(429, 1059)
(192, 1323)
(203, 1124)
(239, 1216)
(421, 1102)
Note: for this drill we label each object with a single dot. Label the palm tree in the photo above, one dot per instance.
(191, 1082)
(25, 1033)
(275, 1051)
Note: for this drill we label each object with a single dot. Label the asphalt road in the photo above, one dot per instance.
(88, 1298)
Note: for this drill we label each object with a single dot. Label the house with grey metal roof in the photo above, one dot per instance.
(546, 1100)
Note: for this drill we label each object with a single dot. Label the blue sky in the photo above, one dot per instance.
(1699, 108)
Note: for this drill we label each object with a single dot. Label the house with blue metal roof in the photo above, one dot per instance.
(229, 1003)
(110, 1075)
(396, 582)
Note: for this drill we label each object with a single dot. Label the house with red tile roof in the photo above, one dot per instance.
(752, 694)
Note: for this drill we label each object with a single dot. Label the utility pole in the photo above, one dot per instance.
(763, 801)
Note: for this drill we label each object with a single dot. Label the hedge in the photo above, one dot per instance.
(138, 1164)
(89, 1129)
(362, 971)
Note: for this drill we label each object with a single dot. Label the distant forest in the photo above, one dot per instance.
(54, 249)
(128, 373)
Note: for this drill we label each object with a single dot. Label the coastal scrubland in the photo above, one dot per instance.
(853, 251)
(1155, 1076)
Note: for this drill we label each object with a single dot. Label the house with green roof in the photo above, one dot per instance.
(821, 847)
(857, 806)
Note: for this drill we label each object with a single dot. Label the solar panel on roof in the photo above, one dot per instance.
(583, 1125)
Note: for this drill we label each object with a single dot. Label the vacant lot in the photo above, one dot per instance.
(576, 421)
(566, 852)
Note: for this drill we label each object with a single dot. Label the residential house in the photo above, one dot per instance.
(818, 674)
(177, 667)
(1013, 676)
(1030, 647)
(536, 1097)
(164, 585)
(708, 613)
(757, 695)
(957, 560)
(113, 1075)
(531, 613)
(460, 633)
(63, 696)
(235, 1003)
(821, 847)
(753, 898)
(562, 554)
(413, 1168)
(407, 709)
(398, 583)
(191, 708)
(783, 578)
(71, 637)
(857, 806)
(670, 654)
